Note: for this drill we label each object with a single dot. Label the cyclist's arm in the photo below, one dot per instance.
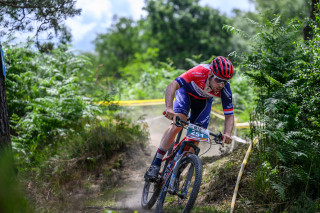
(169, 96)
(226, 99)
(228, 127)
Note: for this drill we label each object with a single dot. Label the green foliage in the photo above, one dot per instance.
(55, 128)
(144, 79)
(45, 97)
(100, 140)
(183, 28)
(285, 73)
(118, 46)
(243, 96)
(104, 138)
(288, 9)
(264, 11)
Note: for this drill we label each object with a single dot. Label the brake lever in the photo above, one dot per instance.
(219, 139)
(178, 121)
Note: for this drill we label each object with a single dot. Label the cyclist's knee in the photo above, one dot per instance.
(176, 129)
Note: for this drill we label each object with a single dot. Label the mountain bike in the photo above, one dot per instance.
(181, 174)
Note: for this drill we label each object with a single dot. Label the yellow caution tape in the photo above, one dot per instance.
(214, 111)
(133, 102)
(244, 163)
(218, 115)
(243, 125)
(217, 111)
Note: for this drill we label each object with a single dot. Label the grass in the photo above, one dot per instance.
(196, 209)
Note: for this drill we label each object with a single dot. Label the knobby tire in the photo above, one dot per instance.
(197, 168)
(148, 203)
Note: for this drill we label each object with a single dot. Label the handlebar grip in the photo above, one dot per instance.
(179, 121)
(212, 134)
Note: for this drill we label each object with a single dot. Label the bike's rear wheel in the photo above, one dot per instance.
(151, 190)
(188, 181)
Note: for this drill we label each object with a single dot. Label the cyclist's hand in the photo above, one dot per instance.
(226, 139)
(169, 113)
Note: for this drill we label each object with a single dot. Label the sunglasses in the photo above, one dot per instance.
(220, 81)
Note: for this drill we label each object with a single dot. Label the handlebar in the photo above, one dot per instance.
(180, 122)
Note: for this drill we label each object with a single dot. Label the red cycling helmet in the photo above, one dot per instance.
(222, 68)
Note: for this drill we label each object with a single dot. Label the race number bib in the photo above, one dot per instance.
(197, 133)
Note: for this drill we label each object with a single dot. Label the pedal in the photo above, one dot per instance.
(150, 179)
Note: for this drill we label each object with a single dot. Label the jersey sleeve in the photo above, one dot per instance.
(187, 77)
(226, 99)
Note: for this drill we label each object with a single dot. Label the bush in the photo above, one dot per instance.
(285, 73)
(45, 96)
(51, 117)
(104, 138)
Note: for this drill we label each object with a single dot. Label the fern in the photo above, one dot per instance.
(286, 74)
(235, 31)
(280, 189)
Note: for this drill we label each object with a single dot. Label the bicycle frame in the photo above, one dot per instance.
(178, 153)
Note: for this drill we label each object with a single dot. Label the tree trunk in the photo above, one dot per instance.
(5, 141)
(307, 31)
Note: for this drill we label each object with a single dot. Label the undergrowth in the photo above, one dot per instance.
(284, 70)
(85, 151)
(80, 162)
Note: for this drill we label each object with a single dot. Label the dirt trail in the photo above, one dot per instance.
(133, 174)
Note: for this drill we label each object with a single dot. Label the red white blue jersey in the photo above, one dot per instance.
(196, 83)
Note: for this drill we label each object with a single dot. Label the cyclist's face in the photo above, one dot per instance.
(217, 84)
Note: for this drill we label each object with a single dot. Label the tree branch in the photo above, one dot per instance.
(307, 31)
(16, 5)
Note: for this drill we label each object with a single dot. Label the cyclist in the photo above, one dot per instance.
(195, 90)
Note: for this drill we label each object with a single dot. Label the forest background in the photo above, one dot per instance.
(51, 89)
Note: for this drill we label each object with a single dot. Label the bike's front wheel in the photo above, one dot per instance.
(187, 184)
(150, 194)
